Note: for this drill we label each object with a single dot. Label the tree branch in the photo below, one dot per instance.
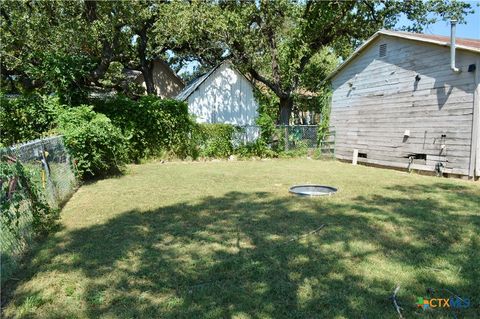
(274, 87)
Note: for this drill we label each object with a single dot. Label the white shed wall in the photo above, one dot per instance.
(226, 96)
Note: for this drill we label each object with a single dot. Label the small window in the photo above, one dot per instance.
(362, 155)
(382, 50)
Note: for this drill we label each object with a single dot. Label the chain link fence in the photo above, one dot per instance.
(326, 144)
(298, 136)
(50, 165)
(291, 138)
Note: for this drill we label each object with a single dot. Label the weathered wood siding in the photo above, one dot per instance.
(167, 84)
(376, 99)
(226, 96)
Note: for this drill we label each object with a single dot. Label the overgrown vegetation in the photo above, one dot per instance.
(19, 193)
(107, 133)
(96, 145)
(152, 125)
(215, 140)
(26, 117)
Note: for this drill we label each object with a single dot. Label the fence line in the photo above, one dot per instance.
(290, 137)
(50, 165)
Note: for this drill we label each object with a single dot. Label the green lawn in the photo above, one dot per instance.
(223, 240)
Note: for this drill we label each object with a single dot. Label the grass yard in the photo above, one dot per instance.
(223, 240)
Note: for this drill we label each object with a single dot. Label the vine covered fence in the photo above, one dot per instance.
(49, 170)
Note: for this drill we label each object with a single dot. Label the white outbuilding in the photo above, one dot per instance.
(222, 95)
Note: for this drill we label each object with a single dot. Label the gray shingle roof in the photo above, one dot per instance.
(193, 85)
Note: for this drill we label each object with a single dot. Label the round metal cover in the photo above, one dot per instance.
(312, 190)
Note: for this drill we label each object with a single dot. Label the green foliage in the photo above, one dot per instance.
(267, 127)
(215, 140)
(65, 46)
(26, 117)
(262, 147)
(267, 145)
(151, 124)
(18, 190)
(60, 73)
(257, 148)
(292, 45)
(300, 149)
(96, 145)
(115, 78)
(324, 125)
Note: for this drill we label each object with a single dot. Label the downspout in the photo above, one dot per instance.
(452, 45)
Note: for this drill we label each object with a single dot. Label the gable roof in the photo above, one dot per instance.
(472, 45)
(167, 68)
(132, 74)
(193, 85)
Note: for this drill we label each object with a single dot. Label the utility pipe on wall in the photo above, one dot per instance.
(452, 45)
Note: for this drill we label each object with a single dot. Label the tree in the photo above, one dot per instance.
(275, 42)
(68, 47)
(61, 46)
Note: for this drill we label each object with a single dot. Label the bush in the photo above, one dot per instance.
(152, 125)
(267, 128)
(26, 117)
(215, 140)
(299, 149)
(257, 148)
(96, 145)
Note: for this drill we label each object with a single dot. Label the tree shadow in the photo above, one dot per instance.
(239, 255)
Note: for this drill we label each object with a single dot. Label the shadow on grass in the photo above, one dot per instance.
(237, 255)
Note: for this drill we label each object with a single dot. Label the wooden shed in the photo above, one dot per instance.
(222, 95)
(167, 83)
(400, 103)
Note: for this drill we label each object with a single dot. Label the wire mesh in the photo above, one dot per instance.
(298, 136)
(49, 162)
(326, 144)
(290, 137)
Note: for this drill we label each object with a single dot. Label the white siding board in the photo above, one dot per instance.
(226, 96)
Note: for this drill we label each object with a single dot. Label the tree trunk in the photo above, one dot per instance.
(147, 72)
(146, 66)
(286, 105)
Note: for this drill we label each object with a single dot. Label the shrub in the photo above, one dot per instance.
(152, 125)
(267, 128)
(216, 140)
(96, 145)
(26, 117)
(300, 148)
(256, 148)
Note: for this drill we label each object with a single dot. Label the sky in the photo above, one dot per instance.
(469, 30)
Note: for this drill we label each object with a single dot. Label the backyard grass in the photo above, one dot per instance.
(224, 240)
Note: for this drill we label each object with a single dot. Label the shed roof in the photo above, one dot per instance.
(472, 45)
(193, 85)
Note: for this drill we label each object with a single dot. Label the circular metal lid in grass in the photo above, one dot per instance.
(312, 190)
